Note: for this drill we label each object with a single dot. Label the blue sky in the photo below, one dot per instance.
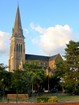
(47, 25)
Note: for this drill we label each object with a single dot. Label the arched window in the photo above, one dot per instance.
(21, 48)
(17, 47)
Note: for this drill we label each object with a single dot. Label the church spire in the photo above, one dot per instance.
(17, 30)
(17, 45)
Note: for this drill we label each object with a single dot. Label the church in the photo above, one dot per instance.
(17, 55)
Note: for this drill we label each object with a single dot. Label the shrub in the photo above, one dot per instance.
(53, 99)
(44, 99)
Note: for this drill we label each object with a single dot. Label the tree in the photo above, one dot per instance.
(40, 77)
(20, 81)
(2, 67)
(35, 74)
(5, 79)
(72, 67)
(68, 69)
(59, 73)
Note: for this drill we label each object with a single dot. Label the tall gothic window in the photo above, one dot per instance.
(17, 47)
(21, 48)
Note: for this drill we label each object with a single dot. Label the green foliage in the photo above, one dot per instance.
(23, 80)
(44, 99)
(32, 65)
(20, 81)
(68, 70)
(53, 99)
(59, 74)
(35, 74)
(72, 67)
(5, 79)
(2, 67)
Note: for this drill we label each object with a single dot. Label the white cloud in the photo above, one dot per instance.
(4, 43)
(37, 28)
(53, 40)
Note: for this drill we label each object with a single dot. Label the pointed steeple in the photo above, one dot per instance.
(17, 30)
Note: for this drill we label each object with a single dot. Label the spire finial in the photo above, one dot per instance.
(18, 4)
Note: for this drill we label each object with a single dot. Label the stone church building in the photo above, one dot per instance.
(17, 55)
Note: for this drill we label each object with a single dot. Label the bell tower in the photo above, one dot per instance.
(17, 45)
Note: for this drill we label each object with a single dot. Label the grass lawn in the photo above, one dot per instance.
(61, 97)
(66, 98)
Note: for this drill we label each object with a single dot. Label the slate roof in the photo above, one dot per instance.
(40, 57)
(36, 57)
(55, 57)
